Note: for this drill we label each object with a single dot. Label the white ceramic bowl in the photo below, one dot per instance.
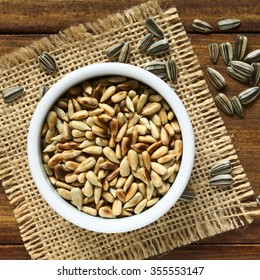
(49, 193)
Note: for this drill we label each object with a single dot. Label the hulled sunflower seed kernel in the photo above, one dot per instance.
(47, 62)
(115, 152)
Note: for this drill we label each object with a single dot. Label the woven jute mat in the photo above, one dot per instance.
(48, 236)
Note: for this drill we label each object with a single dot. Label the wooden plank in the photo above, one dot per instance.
(9, 42)
(191, 252)
(214, 252)
(9, 231)
(13, 252)
(51, 16)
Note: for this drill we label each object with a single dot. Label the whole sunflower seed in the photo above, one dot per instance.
(213, 52)
(221, 180)
(236, 104)
(201, 26)
(47, 62)
(217, 80)
(155, 67)
(226, 52)
(242, 67)
(223, 103)
(124, 53)
(258, 199)
(187, 196)
(43, 90)
(228, 24)
(254, 79)
(240, 46)
(153, 27)
(115, 49)
(253, 56)
(145, 42)
(221, 167)
(236, 75)
(172, 70)
(159, 47)
(12, 93)
(249, 95)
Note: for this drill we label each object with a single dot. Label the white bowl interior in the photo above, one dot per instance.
(68, 211)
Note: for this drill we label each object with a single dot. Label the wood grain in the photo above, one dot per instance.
(22, 22)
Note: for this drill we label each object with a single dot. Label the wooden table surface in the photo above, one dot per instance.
(22, 22)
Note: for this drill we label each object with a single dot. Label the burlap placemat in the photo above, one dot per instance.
(48, 236)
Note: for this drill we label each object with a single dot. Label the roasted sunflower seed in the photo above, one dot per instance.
(228, 24)
(47, 62)
(236, 75)
(249, 95)
(145, 42)
(240, 46)
(253, 56)
(187, 196)
(221, 180)
(201, 26)
(172, 70)
(213, 52)
(12, 93)
(226, 52)
(217, 80)
(223, 103)
(159, 47)
(115, 49)
(242, 67)
(254, 79)
(124, 53)
(153, 27)
(236, 104)
(221, 167)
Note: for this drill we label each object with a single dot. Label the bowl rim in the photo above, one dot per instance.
(65, 209)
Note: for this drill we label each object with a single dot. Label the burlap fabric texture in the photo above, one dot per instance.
(48, 236)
